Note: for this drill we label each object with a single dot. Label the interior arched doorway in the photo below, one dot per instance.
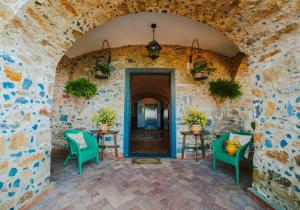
(267, 31)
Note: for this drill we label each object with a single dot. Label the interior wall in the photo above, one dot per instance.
(36, 34)
(141, 111)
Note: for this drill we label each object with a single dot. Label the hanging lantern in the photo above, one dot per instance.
(153, 47)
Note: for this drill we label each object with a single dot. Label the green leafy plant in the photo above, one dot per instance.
(104, 117)
(201, 66)
(225, 88)
(81, 87)
(102, 67)
(195, 117)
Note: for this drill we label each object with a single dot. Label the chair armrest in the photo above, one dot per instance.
(218, 143)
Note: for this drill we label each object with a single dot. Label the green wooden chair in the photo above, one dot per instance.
(83, 155)
(220, 154)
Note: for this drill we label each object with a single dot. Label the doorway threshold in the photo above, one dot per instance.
(150, 155)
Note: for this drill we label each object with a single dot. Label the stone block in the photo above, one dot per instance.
(2, 145)
(281, 156)
(18, 141)
(270, 108)
(258, 138)
(29, 160)
(12, 74)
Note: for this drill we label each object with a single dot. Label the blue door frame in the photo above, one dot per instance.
(128, 73)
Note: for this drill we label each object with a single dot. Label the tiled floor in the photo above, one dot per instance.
(149, 141)
(176, 184)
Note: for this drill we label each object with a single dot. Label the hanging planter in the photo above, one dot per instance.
(200, 71)
(225, 89)
(102, 69)
(81, 88)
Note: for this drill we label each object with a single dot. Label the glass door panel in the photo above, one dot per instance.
(151, 118)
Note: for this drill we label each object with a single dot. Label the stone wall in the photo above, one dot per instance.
(35, 34)
(67, 112)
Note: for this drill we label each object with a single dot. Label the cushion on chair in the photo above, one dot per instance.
(79, 139)
(243, 139)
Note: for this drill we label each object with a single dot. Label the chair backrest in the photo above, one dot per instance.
(90, 140)
(72, 147)
(242, 153)
(243, 133)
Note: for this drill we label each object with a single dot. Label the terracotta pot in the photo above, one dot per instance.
(231, 149)
(79, 100)
(196, 128)
(200, 75)
(104, 128)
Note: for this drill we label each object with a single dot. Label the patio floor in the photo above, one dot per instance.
(175, 184)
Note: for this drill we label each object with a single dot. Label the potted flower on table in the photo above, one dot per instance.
(195, 119)
(105, 118)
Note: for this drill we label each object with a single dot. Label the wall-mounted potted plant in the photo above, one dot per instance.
(223, 89)
(201, 70)
(104, 118)
(195, 119)
(81, 88)
(101, 70)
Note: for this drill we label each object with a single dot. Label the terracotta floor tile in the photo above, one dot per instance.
(175, 184)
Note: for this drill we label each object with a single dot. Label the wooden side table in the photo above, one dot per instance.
(195, 147)
(102, 145)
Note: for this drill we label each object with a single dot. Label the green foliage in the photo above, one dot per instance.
(104, 117)
(201, 66)
(102, 67)
(225, 89)
(195, 117)
(81, 87)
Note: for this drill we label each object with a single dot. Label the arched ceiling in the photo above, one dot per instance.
(134, 29)
(142, 84)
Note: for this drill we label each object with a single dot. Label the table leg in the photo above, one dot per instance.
(196, 148)
(183, 147)
(116, 146)
(102, 149)
(98, 138)
(202, 147)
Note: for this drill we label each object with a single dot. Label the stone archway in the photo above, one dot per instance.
(36, 34)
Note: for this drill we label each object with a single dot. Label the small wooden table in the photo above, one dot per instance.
(102, 144)
(195, 147)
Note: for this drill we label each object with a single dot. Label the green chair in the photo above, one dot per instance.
(220, 154)
(83, 155)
